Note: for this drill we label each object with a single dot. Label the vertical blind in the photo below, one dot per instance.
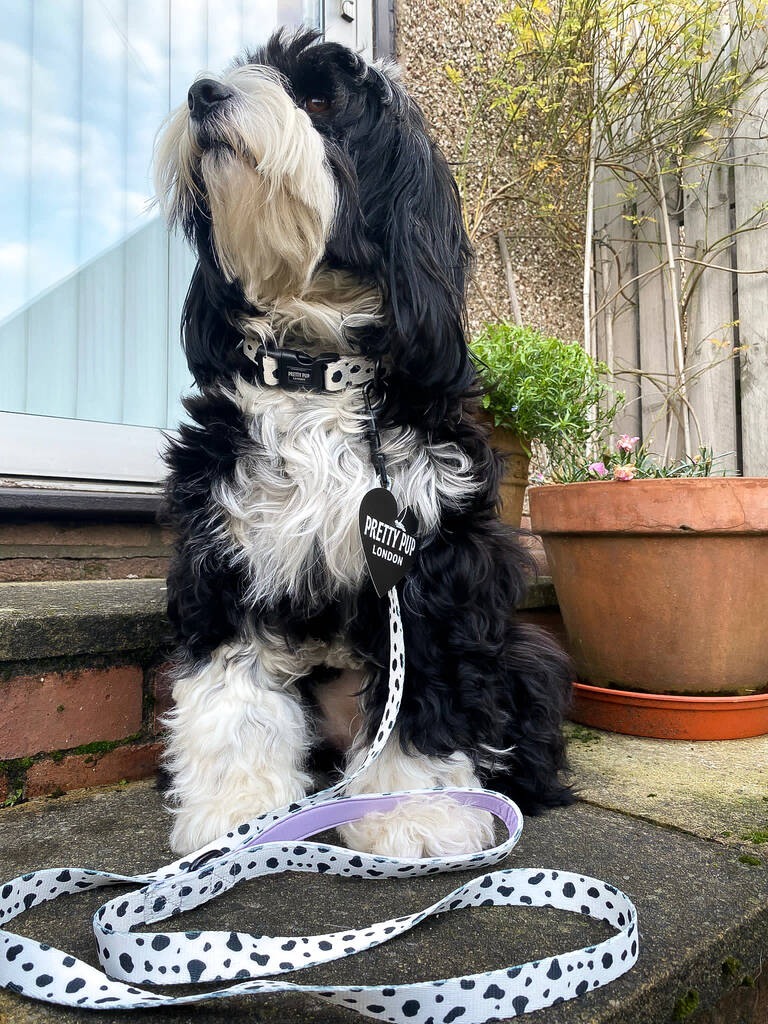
(91, 286)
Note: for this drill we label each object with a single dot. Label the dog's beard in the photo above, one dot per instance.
(259, 170)
(265, 235)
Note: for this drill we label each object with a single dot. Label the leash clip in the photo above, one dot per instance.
(372, 430)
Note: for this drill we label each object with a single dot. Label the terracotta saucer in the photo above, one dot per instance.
(670, 718)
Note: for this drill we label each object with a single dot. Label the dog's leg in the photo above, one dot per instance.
(435, 827)
(236, 742)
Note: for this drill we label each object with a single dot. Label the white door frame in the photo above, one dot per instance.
(57, 448)
(356, 33)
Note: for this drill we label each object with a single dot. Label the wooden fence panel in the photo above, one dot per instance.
(712, 381)
(725, 283)
(655, 320)
(751, 187)
(616, 291)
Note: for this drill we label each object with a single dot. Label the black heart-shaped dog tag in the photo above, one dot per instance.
(388, 538)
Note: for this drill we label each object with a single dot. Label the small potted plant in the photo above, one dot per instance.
(661, 573)
(537, 390)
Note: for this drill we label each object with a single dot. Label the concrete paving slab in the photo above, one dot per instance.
(716, 790)
(700, 908)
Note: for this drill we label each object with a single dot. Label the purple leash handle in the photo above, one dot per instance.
(310, 820)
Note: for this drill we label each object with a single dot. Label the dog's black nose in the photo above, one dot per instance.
(205, 95)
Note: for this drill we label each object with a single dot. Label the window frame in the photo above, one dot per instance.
(48, 448)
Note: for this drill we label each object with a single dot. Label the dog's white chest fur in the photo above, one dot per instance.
(290, 513)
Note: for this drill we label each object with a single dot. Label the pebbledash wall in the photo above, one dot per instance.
(430, 35)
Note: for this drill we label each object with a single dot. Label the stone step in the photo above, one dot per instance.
(53, 619)
(80, 664)
(83, 684)
(88, 533)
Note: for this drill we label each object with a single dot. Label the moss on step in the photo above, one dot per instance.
(579, 734)
(731, 967)
(686, 1005)
(15, 774)
(15, 771)
(757, 836)
(747, 858)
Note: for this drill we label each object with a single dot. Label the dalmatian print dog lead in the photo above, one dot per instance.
(274, 843)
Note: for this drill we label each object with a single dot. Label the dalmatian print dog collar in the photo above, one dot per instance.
(296, 371)
(277, 842)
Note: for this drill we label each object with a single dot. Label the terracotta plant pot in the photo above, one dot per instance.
(662, 584)
(515, 481)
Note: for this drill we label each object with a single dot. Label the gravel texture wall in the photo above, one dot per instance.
(429, 35)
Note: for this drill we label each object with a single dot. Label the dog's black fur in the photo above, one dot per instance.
(476, 676)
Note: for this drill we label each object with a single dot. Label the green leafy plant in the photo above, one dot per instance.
(545, 390)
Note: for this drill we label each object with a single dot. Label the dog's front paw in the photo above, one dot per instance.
(200, 823)
(191, 831)
(438, 827)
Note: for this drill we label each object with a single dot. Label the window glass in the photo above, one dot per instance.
(91, 286)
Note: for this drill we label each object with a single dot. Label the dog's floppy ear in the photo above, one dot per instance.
(427, 256)
(209, 339)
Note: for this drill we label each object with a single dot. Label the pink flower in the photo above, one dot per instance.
(624, 472)
(597, 469)
(626, 443)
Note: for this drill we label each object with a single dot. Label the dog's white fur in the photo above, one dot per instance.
(331, 307)
(271, 195)
(283, 512)
(237, 740)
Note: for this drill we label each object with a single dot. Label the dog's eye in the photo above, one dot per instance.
(317, 104)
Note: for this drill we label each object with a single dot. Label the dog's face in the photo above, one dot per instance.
(304, 164)
(248, 151)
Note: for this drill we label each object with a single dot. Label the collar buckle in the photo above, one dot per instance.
(295, 371)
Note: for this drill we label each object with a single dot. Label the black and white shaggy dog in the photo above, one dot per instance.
(326, 220)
